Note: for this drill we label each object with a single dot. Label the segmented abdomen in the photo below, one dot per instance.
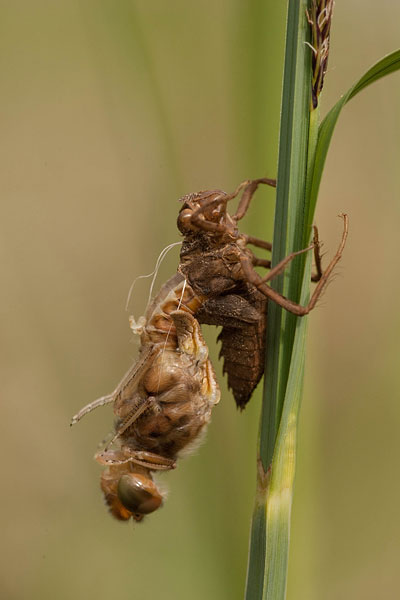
(243, 319)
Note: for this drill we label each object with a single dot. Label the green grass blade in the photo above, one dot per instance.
(289, 216)
(289, 367)
(388, 64)
(288, 236)
(302, 152)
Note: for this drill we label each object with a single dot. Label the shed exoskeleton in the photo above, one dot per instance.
(219, 266)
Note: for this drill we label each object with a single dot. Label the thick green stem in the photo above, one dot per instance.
(272, 527)
(289, 218)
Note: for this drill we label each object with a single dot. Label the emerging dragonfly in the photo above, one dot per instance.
(164, 403)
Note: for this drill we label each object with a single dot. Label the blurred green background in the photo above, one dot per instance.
(110, 111)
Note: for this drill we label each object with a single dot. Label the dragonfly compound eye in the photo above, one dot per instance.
(138, 493)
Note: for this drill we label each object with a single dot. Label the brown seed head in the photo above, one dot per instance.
(319, 17)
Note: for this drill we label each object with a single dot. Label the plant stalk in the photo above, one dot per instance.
(271, 518)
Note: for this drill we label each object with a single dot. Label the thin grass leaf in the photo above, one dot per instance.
(388, 64)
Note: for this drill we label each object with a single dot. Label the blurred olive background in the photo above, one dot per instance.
(110, 111)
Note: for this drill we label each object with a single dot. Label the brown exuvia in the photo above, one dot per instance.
(219, 266)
